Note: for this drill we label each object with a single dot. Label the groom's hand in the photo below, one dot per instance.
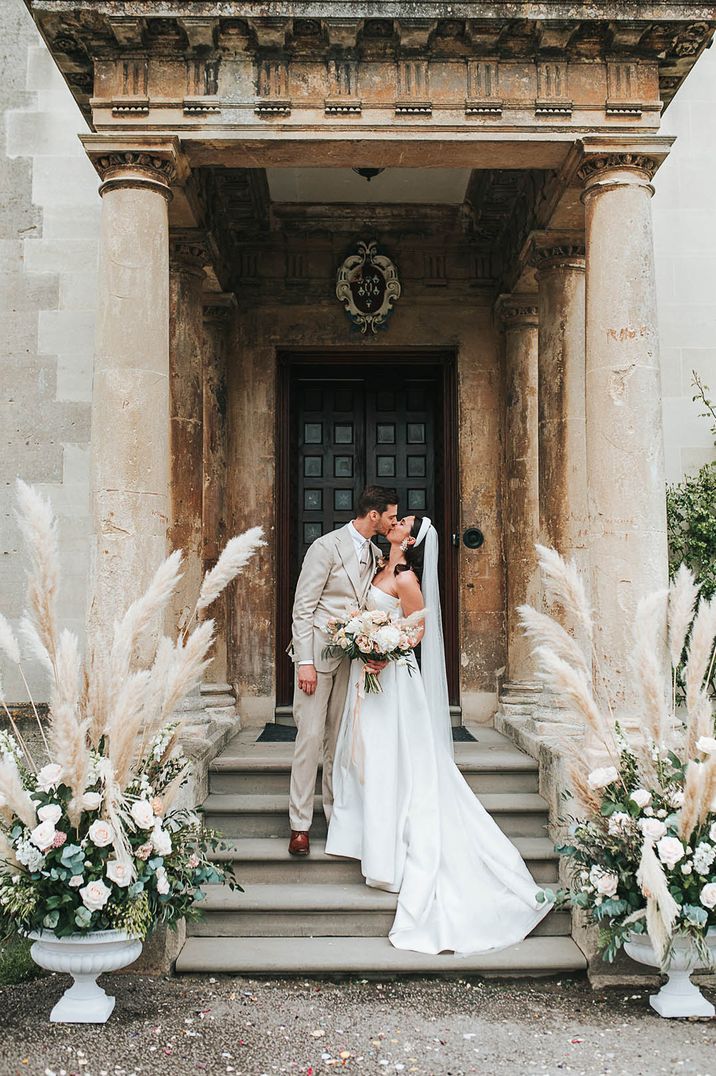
(307, 678)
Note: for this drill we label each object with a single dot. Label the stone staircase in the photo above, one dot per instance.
(316, 916)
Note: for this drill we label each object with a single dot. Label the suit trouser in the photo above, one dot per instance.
(317, 719)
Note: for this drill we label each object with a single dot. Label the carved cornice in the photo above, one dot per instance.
(596, 167)
(517, 311)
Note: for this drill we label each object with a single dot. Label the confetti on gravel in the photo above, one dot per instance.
(183, 1026)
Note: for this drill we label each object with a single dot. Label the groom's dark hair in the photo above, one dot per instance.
(375, 499)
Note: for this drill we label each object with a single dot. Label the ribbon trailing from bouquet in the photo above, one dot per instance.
(357, 745)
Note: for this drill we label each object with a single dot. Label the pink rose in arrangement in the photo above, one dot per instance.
(363, 643)
(144, 851)
(158, 806)
(193, 861)
(59, 839)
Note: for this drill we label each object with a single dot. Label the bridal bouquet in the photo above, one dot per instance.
(373, 635)
(92, 837)
(642, 851)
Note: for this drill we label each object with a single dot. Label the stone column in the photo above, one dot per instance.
(218, 311)
(625, 459)
(130, 400)
(518, 314)
(186, 359)
(562, 437)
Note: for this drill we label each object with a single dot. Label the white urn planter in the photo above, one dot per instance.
(84, 957)
(678, 997)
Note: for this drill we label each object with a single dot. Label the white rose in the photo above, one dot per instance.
(95, 895)
(686, 868)
(354, 626)
(707, 744)
(51, 812)
(161, 841)
(387, 638)
(605, 882)
(91, 801)
(119, 873)
(162, 882)
(76, 880)
(143, 814)
(602, 778)
(618, 822)
(49, 776)
(708, 895)
(43, 835)
(641, 797)
(652, 828)
(670, 850)
(676, 798)
(101, 833)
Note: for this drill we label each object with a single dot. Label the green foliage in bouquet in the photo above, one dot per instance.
(95, 839)
(641, 850)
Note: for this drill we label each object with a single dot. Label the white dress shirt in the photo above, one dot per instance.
(361, 546)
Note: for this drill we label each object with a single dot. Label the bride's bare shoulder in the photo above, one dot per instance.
(407, 582)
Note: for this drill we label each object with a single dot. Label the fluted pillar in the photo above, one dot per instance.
(130, 400)
(518, 315)
(562, 436)
(186, 360)
(218, 312)
(625, 459)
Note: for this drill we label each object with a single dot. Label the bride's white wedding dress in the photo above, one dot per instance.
(402, 807)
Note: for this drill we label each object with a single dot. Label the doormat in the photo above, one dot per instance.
(287, 734)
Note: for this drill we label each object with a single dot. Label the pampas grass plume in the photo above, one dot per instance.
(14, 795)
(546, 631)
(574, 687)
(563, 584)
(701, 644)
(8, 642)
(234, 557)
(139, 617)
(682, 598)
(649, 644)
(39, 529)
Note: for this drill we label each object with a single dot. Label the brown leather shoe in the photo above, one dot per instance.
(299, 845)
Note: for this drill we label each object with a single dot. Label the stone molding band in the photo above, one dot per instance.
(187, 255)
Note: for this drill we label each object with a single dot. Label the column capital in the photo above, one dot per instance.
(606, 163)
(188, 251)
(218, 308)
(152, 163)
(557, 251)
(517, 311)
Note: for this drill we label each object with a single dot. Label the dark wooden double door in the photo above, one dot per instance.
(345, 427)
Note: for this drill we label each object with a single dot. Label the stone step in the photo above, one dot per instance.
(535, 956)
(485, 770)
(522, 814)
(304, 911)
(266, 859)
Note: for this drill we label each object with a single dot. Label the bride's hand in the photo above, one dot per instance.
(375, 667)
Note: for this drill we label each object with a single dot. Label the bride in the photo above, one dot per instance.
(402, 807)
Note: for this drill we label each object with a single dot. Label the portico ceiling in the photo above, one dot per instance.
(401, 186)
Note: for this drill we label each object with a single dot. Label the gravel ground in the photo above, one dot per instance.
(173, 1027)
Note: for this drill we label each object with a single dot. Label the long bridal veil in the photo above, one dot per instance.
(432, 648)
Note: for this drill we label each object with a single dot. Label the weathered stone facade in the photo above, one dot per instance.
(205, 274)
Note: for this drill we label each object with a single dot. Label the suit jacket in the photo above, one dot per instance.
(329, 586)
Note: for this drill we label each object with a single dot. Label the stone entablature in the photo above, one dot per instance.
(213, 64)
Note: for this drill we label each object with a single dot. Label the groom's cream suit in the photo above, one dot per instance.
(332, 583)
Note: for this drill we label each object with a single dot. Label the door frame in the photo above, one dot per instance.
(445, 359)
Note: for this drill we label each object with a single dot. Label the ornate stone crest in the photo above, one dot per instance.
(368, 286)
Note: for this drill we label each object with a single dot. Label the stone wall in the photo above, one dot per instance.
(49, 215)
(685, 239)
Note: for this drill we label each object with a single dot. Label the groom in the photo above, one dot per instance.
(336, 574)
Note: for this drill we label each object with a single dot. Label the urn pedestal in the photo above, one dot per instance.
(84, 957)
(678, 997)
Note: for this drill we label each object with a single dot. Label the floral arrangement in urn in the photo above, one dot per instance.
(92, 838)
(642, 849)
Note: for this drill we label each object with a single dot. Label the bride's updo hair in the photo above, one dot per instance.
(414, 554)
